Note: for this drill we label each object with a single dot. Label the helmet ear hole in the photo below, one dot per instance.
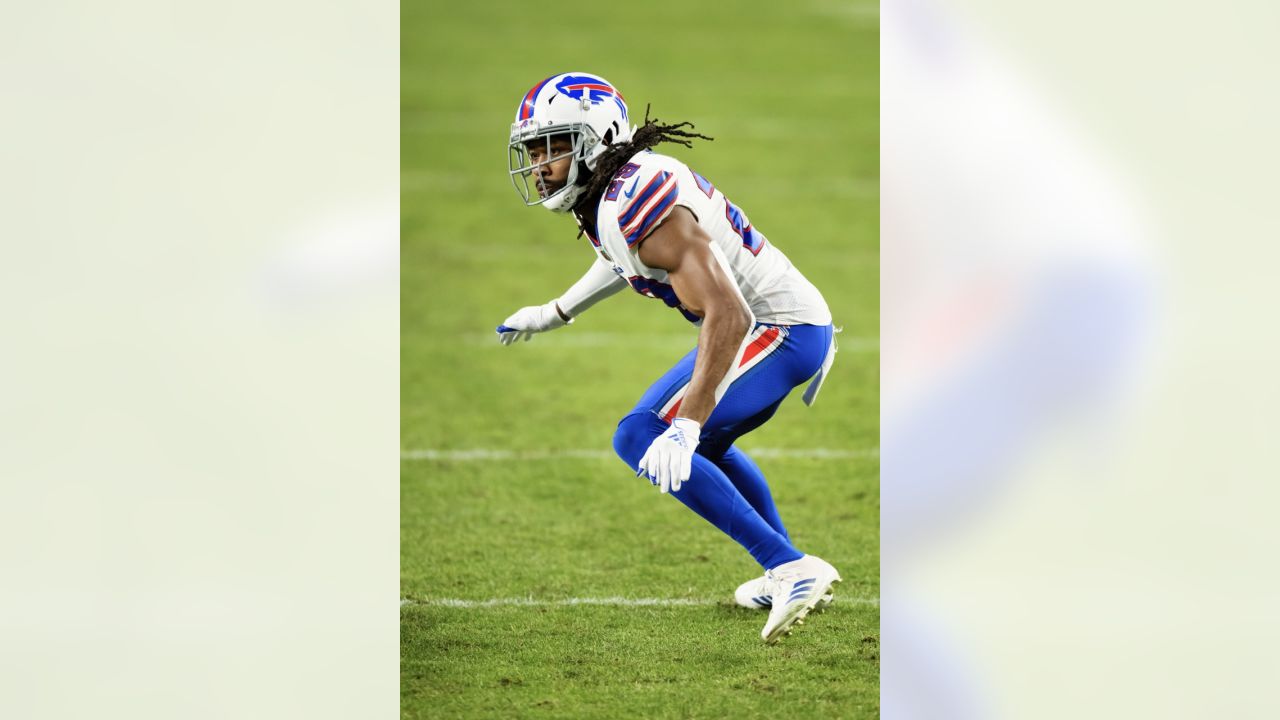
(608, 136)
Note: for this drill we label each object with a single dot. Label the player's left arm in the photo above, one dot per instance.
(683, 249)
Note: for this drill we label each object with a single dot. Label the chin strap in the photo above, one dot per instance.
(563, 202)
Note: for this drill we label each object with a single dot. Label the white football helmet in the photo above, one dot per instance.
(587, 108)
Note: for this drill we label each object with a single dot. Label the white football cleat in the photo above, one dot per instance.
(798, 587)
(757, 594)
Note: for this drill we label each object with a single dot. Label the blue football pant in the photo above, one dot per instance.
(725, 486)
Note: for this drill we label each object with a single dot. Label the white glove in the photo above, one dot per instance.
(669, 460)
(529, 320)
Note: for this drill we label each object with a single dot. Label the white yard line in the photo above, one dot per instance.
(614, 601)
(482, 454)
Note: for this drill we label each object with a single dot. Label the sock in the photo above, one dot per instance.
(745, 475)
(710, 494)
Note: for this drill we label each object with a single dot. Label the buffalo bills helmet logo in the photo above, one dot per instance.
(592, 88)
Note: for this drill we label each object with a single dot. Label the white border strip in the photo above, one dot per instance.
(492, 454)
(613, 601)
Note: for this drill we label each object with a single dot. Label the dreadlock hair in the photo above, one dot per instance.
(611, 160)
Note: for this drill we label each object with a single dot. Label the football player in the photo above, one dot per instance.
(668, 233)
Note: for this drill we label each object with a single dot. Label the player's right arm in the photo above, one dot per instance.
(598, 283)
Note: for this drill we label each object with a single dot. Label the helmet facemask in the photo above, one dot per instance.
(525, 172)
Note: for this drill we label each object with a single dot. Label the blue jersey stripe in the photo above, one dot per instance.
(639, 200)
(651, 218)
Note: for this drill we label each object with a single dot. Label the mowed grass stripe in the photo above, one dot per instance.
(480, 530)
(651, 662)
(579, 338)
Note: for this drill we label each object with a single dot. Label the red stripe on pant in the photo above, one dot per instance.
(672, 412)
(765, 340)
(756, 347)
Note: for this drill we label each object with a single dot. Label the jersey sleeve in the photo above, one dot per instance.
(654, 192)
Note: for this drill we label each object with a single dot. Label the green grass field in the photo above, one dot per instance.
(790, 92)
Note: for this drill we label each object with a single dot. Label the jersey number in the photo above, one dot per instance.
(751, 240)
(661, 291)
(627, 171)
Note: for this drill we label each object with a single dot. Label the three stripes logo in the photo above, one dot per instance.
(801, 590)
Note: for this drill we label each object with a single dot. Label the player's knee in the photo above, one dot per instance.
(634, 435)
(713, 447)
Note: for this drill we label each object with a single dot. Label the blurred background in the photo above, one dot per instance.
(1077, 351)
(198, 380)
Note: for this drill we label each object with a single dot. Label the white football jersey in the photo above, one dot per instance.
(644, 192)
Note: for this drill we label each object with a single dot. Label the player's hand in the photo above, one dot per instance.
(669, 460)
(530, 320)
